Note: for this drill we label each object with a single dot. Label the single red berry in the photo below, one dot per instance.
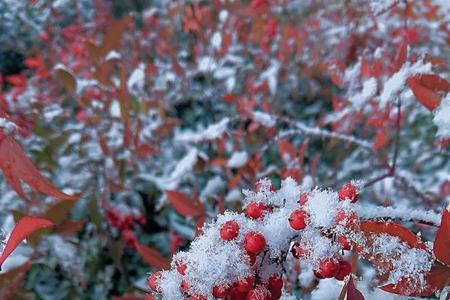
(255, 210)
(345, 244)
(181, 268)
(300, 251)
(254, 242)
(328, 267)
(303, 199)
(198, 297)
(346, 218)
(345, 268)
(275, 284)
(184, 286)
(219, 291)
(258, 293)
(348, 191)
(229, 230)
(298, 219)
(153, 281)
(246, 284)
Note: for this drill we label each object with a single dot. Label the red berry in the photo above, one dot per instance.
(184, 286)
(255, 210)
(275, 284)
(297, 219)
(299, 251)
(303, 199)
(348, 191)
(345, 244)
(246, 284)
(328, 267)
(258, 293)
(220, 291)
(318, 275)
(181, 268)
(153, 281)
(198, 297)
(345, 268)
(254, 242)
(346, 218)
(229, 230)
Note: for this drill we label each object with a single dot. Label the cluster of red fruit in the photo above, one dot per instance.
(254, 287)
(328, 267)
(124, 222)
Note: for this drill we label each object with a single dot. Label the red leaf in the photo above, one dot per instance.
(436, 280)
(148, 297)
(152, 257)
(184, 205)
(284, 147)
(442, 240)
(26, 226)
(427, 89)
(352, 291)
(401, 56)
(16, 166)
(404, 234)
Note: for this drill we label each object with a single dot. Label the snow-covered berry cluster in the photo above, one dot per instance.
(244, 256)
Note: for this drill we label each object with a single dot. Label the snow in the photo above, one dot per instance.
(180, 171)
(396, 83)
(114, 109)
(264, 119)
(112, 55)
(212, 132)
(238, 159)
(369, 90)
(213, 187)
(271, 75)
(322, 206)
(216, 40)
(136, 81)
(378, 6)
(206, 64)
(7, 126)
(442, 118)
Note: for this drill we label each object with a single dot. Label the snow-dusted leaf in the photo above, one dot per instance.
(436, 279)
(23, 228)
(427, 89)
(16, 166)
(393, 229)
(184, 205)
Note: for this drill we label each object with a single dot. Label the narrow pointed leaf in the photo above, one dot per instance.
(16, 167)
(153, 257)
(184, 205)
(441, 246)
(26, 226)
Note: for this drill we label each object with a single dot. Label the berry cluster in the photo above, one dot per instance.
(124, 222)
(245, 256)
